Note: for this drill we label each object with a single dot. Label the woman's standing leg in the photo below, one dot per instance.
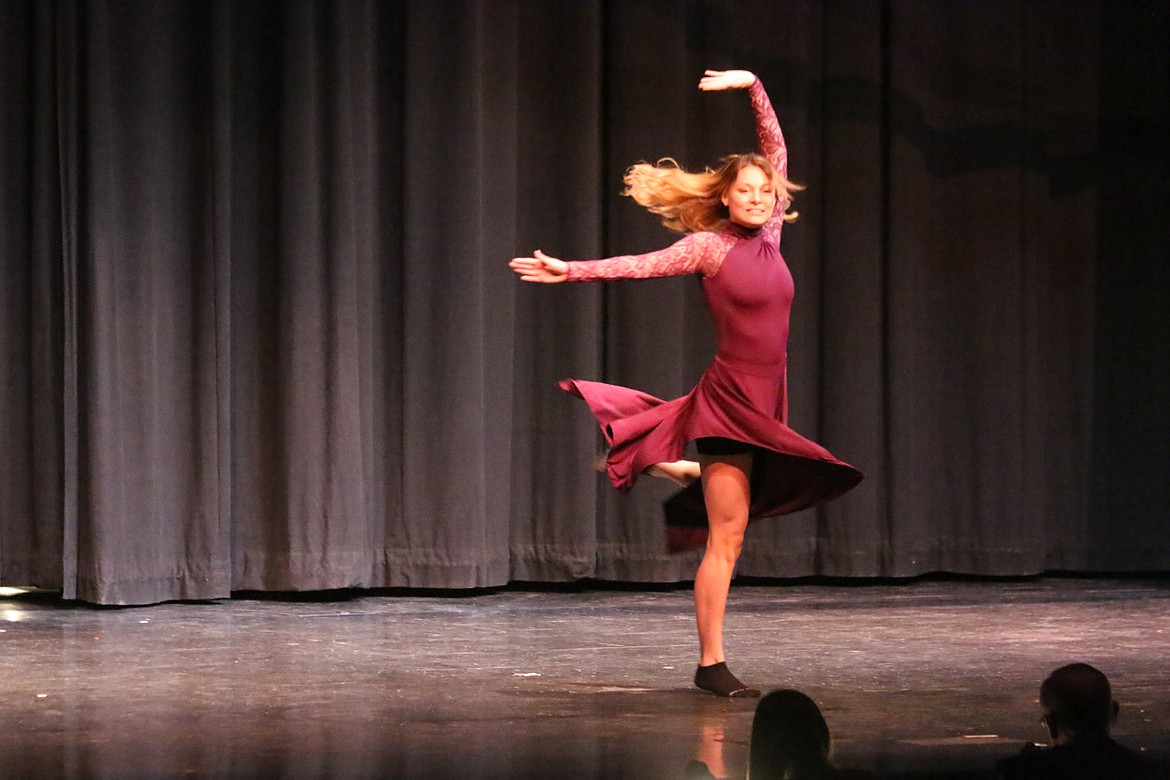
(727, 494)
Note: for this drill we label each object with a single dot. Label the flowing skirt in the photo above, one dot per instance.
(741, 402)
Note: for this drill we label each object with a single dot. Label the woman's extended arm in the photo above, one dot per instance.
(768, 129)
(768, 133)
(697, 253)
(540, 268)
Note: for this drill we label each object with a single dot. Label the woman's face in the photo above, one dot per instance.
(751, 199)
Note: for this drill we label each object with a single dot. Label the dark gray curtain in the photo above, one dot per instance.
(258, 332)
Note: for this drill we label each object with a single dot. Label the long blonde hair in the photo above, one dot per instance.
(691, 202)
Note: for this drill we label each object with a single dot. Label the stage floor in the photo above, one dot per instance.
(917, 679)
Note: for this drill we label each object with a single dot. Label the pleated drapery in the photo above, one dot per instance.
(258, 330)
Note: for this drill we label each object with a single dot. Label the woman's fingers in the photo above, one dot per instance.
(725, 79)
(523, 263)
(708, 83)
(713, 79)
(538, 268)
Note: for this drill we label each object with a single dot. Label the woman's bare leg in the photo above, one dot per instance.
(680, 472)
(726, 492)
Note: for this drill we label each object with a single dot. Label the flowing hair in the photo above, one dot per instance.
(692, 202)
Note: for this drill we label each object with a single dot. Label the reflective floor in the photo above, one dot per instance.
(921, 679)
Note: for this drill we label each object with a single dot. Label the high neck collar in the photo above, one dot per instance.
(743, 231)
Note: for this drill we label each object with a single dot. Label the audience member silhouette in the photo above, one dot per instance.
(790, 741)
(1078, 711)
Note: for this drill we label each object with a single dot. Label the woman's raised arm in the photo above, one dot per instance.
(768, 133)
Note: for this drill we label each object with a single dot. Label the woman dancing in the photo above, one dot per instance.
(751, 464)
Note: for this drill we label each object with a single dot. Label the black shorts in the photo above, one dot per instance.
(717, 445)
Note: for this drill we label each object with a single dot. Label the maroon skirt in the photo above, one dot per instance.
(741, 402)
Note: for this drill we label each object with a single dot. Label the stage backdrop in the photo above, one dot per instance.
(258, 331)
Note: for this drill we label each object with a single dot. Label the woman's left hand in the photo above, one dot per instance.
(714, 80)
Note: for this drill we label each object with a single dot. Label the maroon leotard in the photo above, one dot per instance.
(742, 396)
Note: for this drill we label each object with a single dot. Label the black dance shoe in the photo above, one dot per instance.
(719, 680)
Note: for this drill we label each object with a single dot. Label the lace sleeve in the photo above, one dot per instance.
(697, 253)
(772, 146)
(768, 132)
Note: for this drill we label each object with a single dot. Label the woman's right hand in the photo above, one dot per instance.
(540, 268)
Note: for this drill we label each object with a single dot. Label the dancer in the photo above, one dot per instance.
(751, 464)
